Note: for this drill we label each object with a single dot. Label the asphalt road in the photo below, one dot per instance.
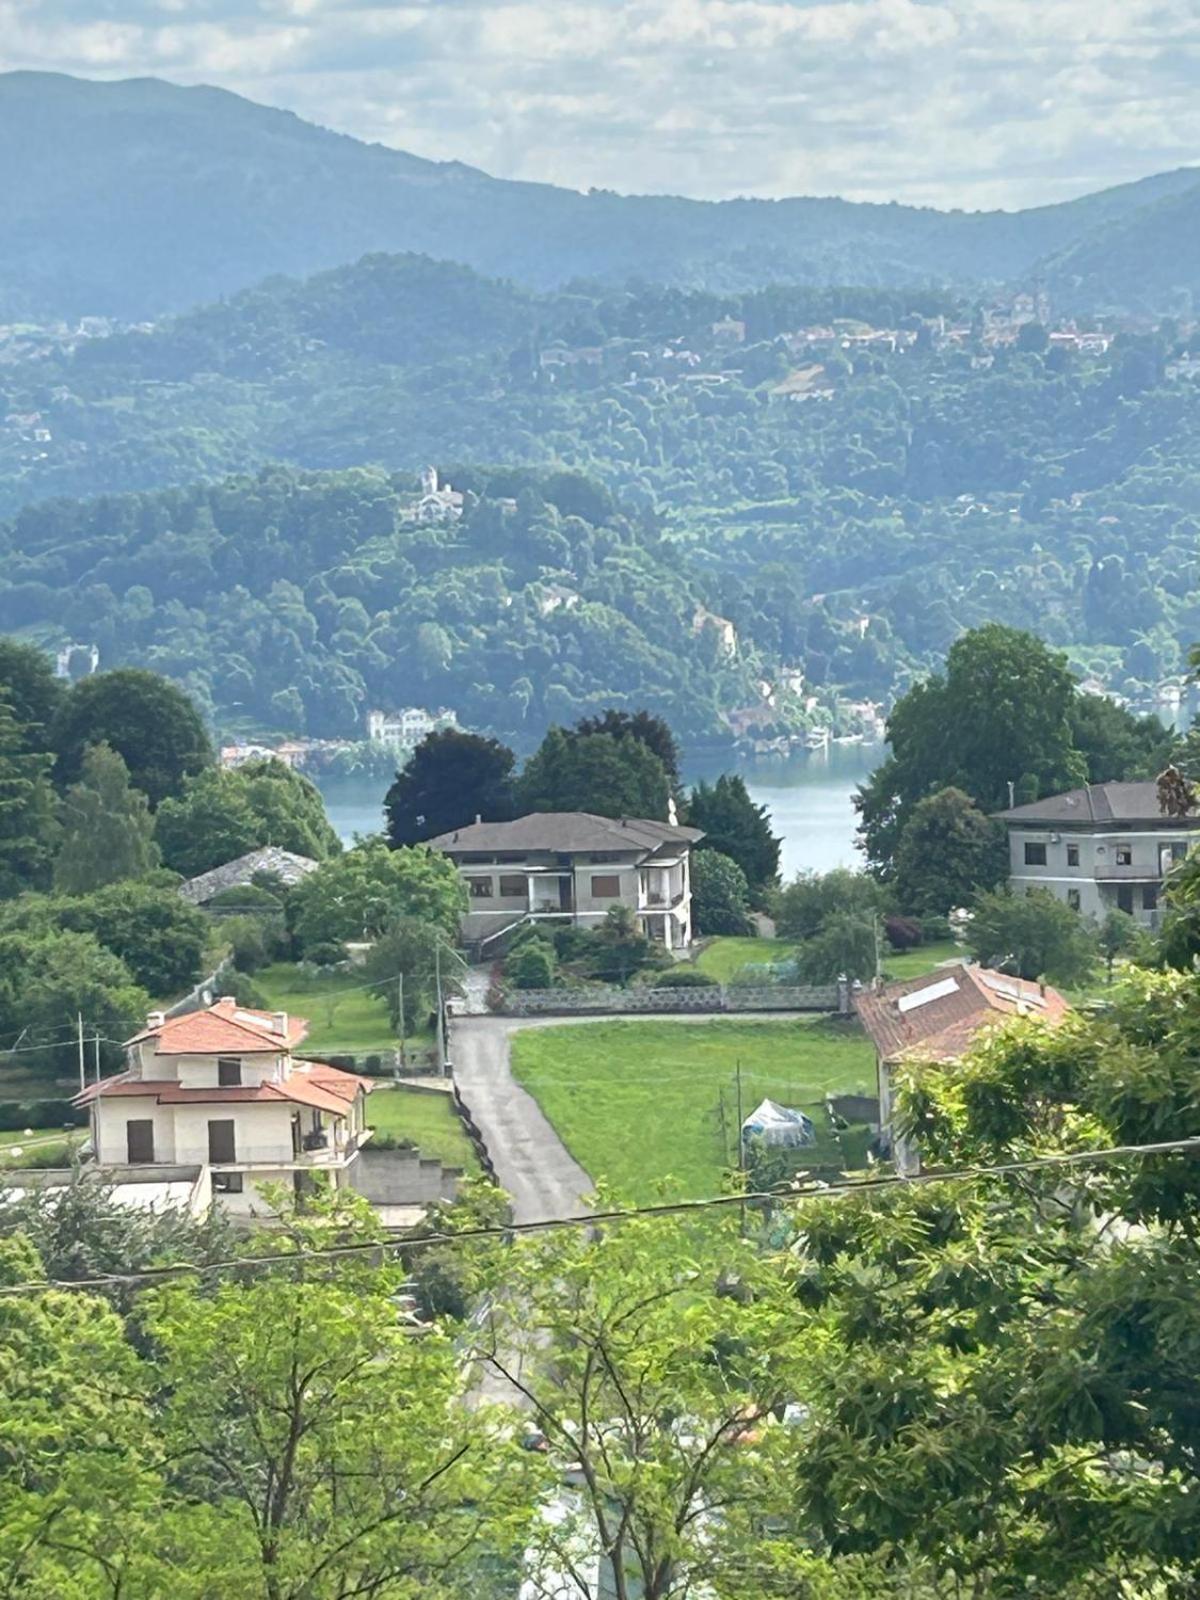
(541, 1176)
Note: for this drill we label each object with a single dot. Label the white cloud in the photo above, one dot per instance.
(952, 102)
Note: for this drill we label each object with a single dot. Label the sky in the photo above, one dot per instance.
(972, 103)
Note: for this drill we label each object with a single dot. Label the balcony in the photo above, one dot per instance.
(1149, 872)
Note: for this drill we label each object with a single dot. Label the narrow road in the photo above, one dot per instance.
(541, 1176)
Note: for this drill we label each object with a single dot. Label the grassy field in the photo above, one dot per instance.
(639, 1101)
(40, 1147)
(429, 1120)
(899, 964)
(342, 1015)
(723, 957)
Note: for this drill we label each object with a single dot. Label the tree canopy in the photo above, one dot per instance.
(225, 813)
(450, 779)
(597, 772)
(107, 828)
(153, 725)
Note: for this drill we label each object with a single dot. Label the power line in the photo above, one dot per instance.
(782, 1195)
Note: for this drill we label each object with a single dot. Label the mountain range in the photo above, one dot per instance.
(136, 198)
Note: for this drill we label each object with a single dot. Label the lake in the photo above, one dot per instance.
(808, 795)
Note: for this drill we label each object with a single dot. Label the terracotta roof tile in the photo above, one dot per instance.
(937, 1015)
(224, 1029)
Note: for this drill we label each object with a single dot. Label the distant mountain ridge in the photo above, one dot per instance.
(137, 198)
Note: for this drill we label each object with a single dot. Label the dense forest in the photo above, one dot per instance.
(662, 463)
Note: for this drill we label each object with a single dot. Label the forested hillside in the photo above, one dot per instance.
(136, 198)
(848, 503)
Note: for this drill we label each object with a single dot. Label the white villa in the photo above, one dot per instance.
(573, 867)
(437, 502)
(404, 730)
(217, 1099)
(1105, 847)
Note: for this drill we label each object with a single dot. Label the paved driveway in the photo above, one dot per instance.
(532, 1163)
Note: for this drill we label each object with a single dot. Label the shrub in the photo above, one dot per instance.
(936, 930)
(325, 954)
(572, 944)
(246, 897)
(904, 933)
(244, 990)
(248, 942)
(532, 965)
(682, 978)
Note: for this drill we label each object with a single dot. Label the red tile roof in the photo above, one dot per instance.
(224, 1029)
(314, 1084)
(937, 1016)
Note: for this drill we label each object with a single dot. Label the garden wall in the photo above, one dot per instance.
(615, 1001)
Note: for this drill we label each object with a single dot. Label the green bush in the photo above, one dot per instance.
(532, 965)
(244, 990)
(246, 897)
(326, 954)
(248, 942)
(682, 978)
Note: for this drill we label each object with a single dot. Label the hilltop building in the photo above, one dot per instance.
(437, 503)
(404, 730)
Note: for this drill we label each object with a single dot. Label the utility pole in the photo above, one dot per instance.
(82, 1067)
(439, 1023)
(400, 1016)
(741, 1145)
(96, 1054)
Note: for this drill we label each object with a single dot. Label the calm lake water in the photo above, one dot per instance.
(807, 794)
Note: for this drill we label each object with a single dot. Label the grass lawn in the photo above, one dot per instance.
(41, 1147)
(639, 1101)
(429, 1120)
(899, 964)
(723, 957)
(343, 1016)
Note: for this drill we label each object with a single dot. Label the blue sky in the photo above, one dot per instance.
(942, 102)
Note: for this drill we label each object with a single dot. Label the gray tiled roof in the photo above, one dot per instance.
(1100, 803)
(286, 864)
(565, 833)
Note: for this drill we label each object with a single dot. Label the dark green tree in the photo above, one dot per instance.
(949, 851)
(720, 895)
(1001, 713)
(1032, 935)
(221, 815)
(28, 827)
(644, 725)
(450, 779)
(611, 777)
(107, 828)
(803, 907)
(1115, 745)
(32, 690)
(734, 825)
(146, 719)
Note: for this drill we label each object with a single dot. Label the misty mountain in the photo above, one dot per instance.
(137, 198)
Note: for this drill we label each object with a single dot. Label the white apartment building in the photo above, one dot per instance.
(221, 1093)
(1105, 847)
(573, 867)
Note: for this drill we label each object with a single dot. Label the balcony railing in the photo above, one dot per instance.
(1129, 872)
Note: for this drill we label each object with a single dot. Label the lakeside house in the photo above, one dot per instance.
(937, 1017)
(403, 730)
(1104, 847)
(218, 1102)
(573, 867)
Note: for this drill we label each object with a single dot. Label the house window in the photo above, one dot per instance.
(1178, 852)
(1073, 899)
(1124, 855)
(1149, 897)
(512, 886)
(227, 1182)
(1035, 855)
(222, 1145)
(479, 888)
(139, 1139)
(606, 886)
(229, 1072)
(1072, 855)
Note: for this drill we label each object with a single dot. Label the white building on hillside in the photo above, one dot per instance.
(221, 1093)
(404, 730)
(437, 503)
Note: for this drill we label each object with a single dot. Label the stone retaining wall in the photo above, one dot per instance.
(614, 1001)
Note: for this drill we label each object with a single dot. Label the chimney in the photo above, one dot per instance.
(155, 1019)
(279, 1021)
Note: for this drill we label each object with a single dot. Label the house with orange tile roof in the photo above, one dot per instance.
(937, 1018)
(222, 1091)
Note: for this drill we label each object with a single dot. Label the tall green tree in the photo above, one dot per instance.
(720, 894)
(803, 907)
(737, 827)
(48, 981)
(611, 777)
(451, 778)
(107, 827)
(223, 814)
(153, 725)
(28, 826)
(1117, 746)
(409, 962)
(654, 732)
(27, 681)
(1000, 713)
(1033, 935)
(948, 852)
(359, 894)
